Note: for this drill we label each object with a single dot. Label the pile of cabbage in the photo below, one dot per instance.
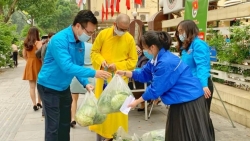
(112, 102)
(88, 113)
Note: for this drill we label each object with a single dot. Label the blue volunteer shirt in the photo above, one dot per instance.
(171, 79)
(198, 59)
(63, 60)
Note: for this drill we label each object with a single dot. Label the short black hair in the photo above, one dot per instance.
(161, 39)
(85, 16)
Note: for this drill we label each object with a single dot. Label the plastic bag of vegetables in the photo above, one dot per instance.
(87, 114)
(122, 135)
(155, 135)
(114, 95)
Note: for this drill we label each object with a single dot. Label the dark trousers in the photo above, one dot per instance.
(211, 88)
(57, 112)
(15, 57)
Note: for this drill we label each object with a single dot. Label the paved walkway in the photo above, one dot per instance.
(18, 121)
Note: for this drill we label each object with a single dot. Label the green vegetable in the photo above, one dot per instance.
(117, 101)
(112, 101)
(88, 114)
(88, 111)
(99, 118)
(84, 120)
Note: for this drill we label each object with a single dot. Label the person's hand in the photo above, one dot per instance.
(133, 104)
(124, 73)
(102, 74)
(121, 73)
(89, 87)
(112, 67)
(207, 92)
(104, 64)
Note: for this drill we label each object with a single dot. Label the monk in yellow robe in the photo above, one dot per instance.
(114, 48)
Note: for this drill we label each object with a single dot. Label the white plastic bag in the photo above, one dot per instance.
(155, 135)
(113, 95)
(122, 135)
(87, 114)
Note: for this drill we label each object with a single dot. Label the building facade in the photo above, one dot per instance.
(144, 11)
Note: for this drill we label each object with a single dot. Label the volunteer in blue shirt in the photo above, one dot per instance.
(196, 53)
(63, 60)
(172, 80)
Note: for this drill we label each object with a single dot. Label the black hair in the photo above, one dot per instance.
(191, 30)
(85, 16)
(159, 38)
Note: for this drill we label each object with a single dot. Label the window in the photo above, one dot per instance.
(140, 6)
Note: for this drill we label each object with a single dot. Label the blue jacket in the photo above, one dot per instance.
(64, 59)
(171, 79)
(198, 59)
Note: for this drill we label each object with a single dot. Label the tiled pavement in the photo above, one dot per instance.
(18, 121)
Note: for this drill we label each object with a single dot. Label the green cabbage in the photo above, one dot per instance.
(88, 111)
(117, 101)
(111, 102)
(88, 115)
(99, 118)
(84, 120)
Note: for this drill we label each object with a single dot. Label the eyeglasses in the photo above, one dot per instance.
(88, 32)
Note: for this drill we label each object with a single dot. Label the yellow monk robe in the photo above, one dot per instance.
(120, 50)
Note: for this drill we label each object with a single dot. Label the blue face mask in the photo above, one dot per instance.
(182, 37)
(149, 56)
(84, 37)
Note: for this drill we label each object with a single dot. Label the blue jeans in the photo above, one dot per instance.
(57, 112)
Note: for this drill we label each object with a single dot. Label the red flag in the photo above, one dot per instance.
(118, 6)
(102, 12)
(112, 8)
(128, 4)
(79, 2)
(107, 10)
(138, 1)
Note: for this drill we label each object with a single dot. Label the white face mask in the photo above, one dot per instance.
(182, 37)
(118, 32)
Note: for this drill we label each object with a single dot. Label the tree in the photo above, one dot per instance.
(7, 34)
(7, 8)
(34, 8)
(19, 19)
(61, 18)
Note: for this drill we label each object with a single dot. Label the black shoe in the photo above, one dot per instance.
(35, 108)
(39, 105)
(73, 124)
